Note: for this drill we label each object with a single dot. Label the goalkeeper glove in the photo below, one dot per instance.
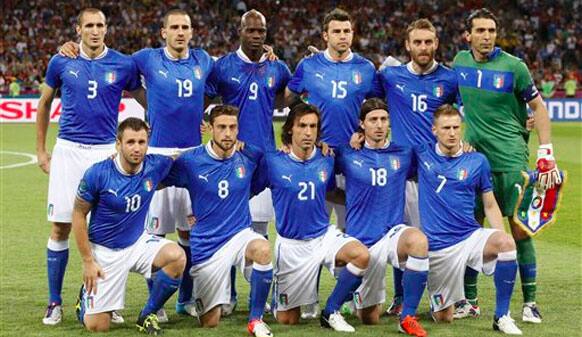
(548, 173)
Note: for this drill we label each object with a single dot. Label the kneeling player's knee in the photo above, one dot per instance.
(263, 252)
(60, 231)
(362, 257)
(287, 319)
(506, 244)
(176, 259)
(96, 325)
(416, 242)
(443, 316)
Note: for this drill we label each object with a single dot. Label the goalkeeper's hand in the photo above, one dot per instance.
(548, 173)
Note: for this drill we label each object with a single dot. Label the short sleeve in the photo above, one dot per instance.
(140, 58)
(525, 87)
(485, 178)
(378, 86)
(296, 82)
(53, 72)
(178, 175)
(88, 189)
(260, 176)
(213, 81)
(163, 165)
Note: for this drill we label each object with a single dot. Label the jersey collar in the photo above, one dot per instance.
(172, 58)
(296, 158)
(328, 57)
(430, 70)
(213, 154)
(241, 54)
(86, 57)
(117, 161)
(440, 153)
(368, 146)
(496, 52)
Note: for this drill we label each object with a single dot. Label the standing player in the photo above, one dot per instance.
(91, 88)
(299, 182)
(117, 192)
(218, 179)
(375, 182)
(496, 89)
(449, 180)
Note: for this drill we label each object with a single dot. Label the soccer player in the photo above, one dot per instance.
(299, 182)
(218, 179)
(117, 192)
(376, 182)
(336, 81)
(496, 89)
(91, 88)
(448, 181)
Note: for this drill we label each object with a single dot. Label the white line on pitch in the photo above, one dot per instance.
(31, 157)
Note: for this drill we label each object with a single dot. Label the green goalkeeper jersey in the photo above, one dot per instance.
(495, 94)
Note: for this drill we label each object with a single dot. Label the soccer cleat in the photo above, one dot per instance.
(464, 309)
(531, 313)
(336, 322)
(228, 309)
(53, 314)
(410, 326)
(506, 324)
(395, 307)
(310, 311)
(259, 328)
(188, 308)
(149, 325)
(116, 318)
(162, 316)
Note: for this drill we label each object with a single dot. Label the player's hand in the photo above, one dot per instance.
(204, 127)
(356, 140)
(44, 161)
(239, 145)
(326, 150)
(530, 124)
(468, 147)
(285, 148)
(91, 272)
(311, 51)
(69, 49)
(271, 56)
(548, 173)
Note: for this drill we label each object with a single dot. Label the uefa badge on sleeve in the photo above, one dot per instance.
(536, 208)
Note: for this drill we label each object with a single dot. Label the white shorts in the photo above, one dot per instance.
(69, 162)
(212, 277)
(261, 206)
(411, 212)
(171, 206)
(117, 264)
(447, 268)
(372, 291)
(297, 264)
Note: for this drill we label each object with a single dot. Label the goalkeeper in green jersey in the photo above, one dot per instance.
(496, 89)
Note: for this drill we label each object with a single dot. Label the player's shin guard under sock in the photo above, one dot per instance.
(233, 294)
(57, 256)
(504, 278)
(348, 281)
(186, 284)
(164, 286)
(470, 284)
(397, 275)
(261, 279)
(526, 259)
(414, 282)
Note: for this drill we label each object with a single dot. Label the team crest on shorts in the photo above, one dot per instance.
(437, 299)
(110, 77)
(197, 72)
(240, 172)
(358, 298)
(148, 185)
(51, 209)
(199, 305)
(283, 299)
(89, 302)
(154, 223)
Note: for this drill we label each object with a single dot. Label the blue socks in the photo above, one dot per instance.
(504, 278)
(414, 282)
(348, 281)
(186, 284)
(261, 279)
(57, 256)
(163, 287)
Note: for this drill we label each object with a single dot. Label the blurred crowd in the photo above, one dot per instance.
(546, 34)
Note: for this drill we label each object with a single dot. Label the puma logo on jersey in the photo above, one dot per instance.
(163, 73)
(427, 164)
(358, 162)
(112, 192)
(319, 75)
(201, 177)
(74, 73)
(235, 79)
(286, 177)
(400, 86)
(464, 75)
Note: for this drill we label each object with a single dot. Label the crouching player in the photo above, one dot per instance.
(375, 192)
(449, 181)
(299, 182)
(118, 192)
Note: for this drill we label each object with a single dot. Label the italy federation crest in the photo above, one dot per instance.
(498, 81)
(110, 77)
(536, 208)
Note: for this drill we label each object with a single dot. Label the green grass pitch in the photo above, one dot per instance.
(24, 231)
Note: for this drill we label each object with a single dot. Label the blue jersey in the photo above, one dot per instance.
(338, 89)
(413, 98)
(447, 187)
(219, 190)
(91, 91)
(175, 95)
(120, 201)
(298, 188)
(252, 87)
(375, 189)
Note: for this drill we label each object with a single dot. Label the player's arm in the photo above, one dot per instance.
(91, 270)
(492, 211)
(549, 175)
(290, 96)
(42, 123)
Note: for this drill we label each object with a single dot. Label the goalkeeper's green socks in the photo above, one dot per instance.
(526, 259)
(471, 285)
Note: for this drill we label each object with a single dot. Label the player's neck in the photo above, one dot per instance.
(92, 53)
(373, 144)
(454, 151)
(419, 69)
(219, 152)
(253, 55)
(126, 167)
(336, 55)
(301, 153)
(479, 57)
(176, 54)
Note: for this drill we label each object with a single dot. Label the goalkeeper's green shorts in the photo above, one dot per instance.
(506, 190)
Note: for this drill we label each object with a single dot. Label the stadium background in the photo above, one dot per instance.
(545, 33)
